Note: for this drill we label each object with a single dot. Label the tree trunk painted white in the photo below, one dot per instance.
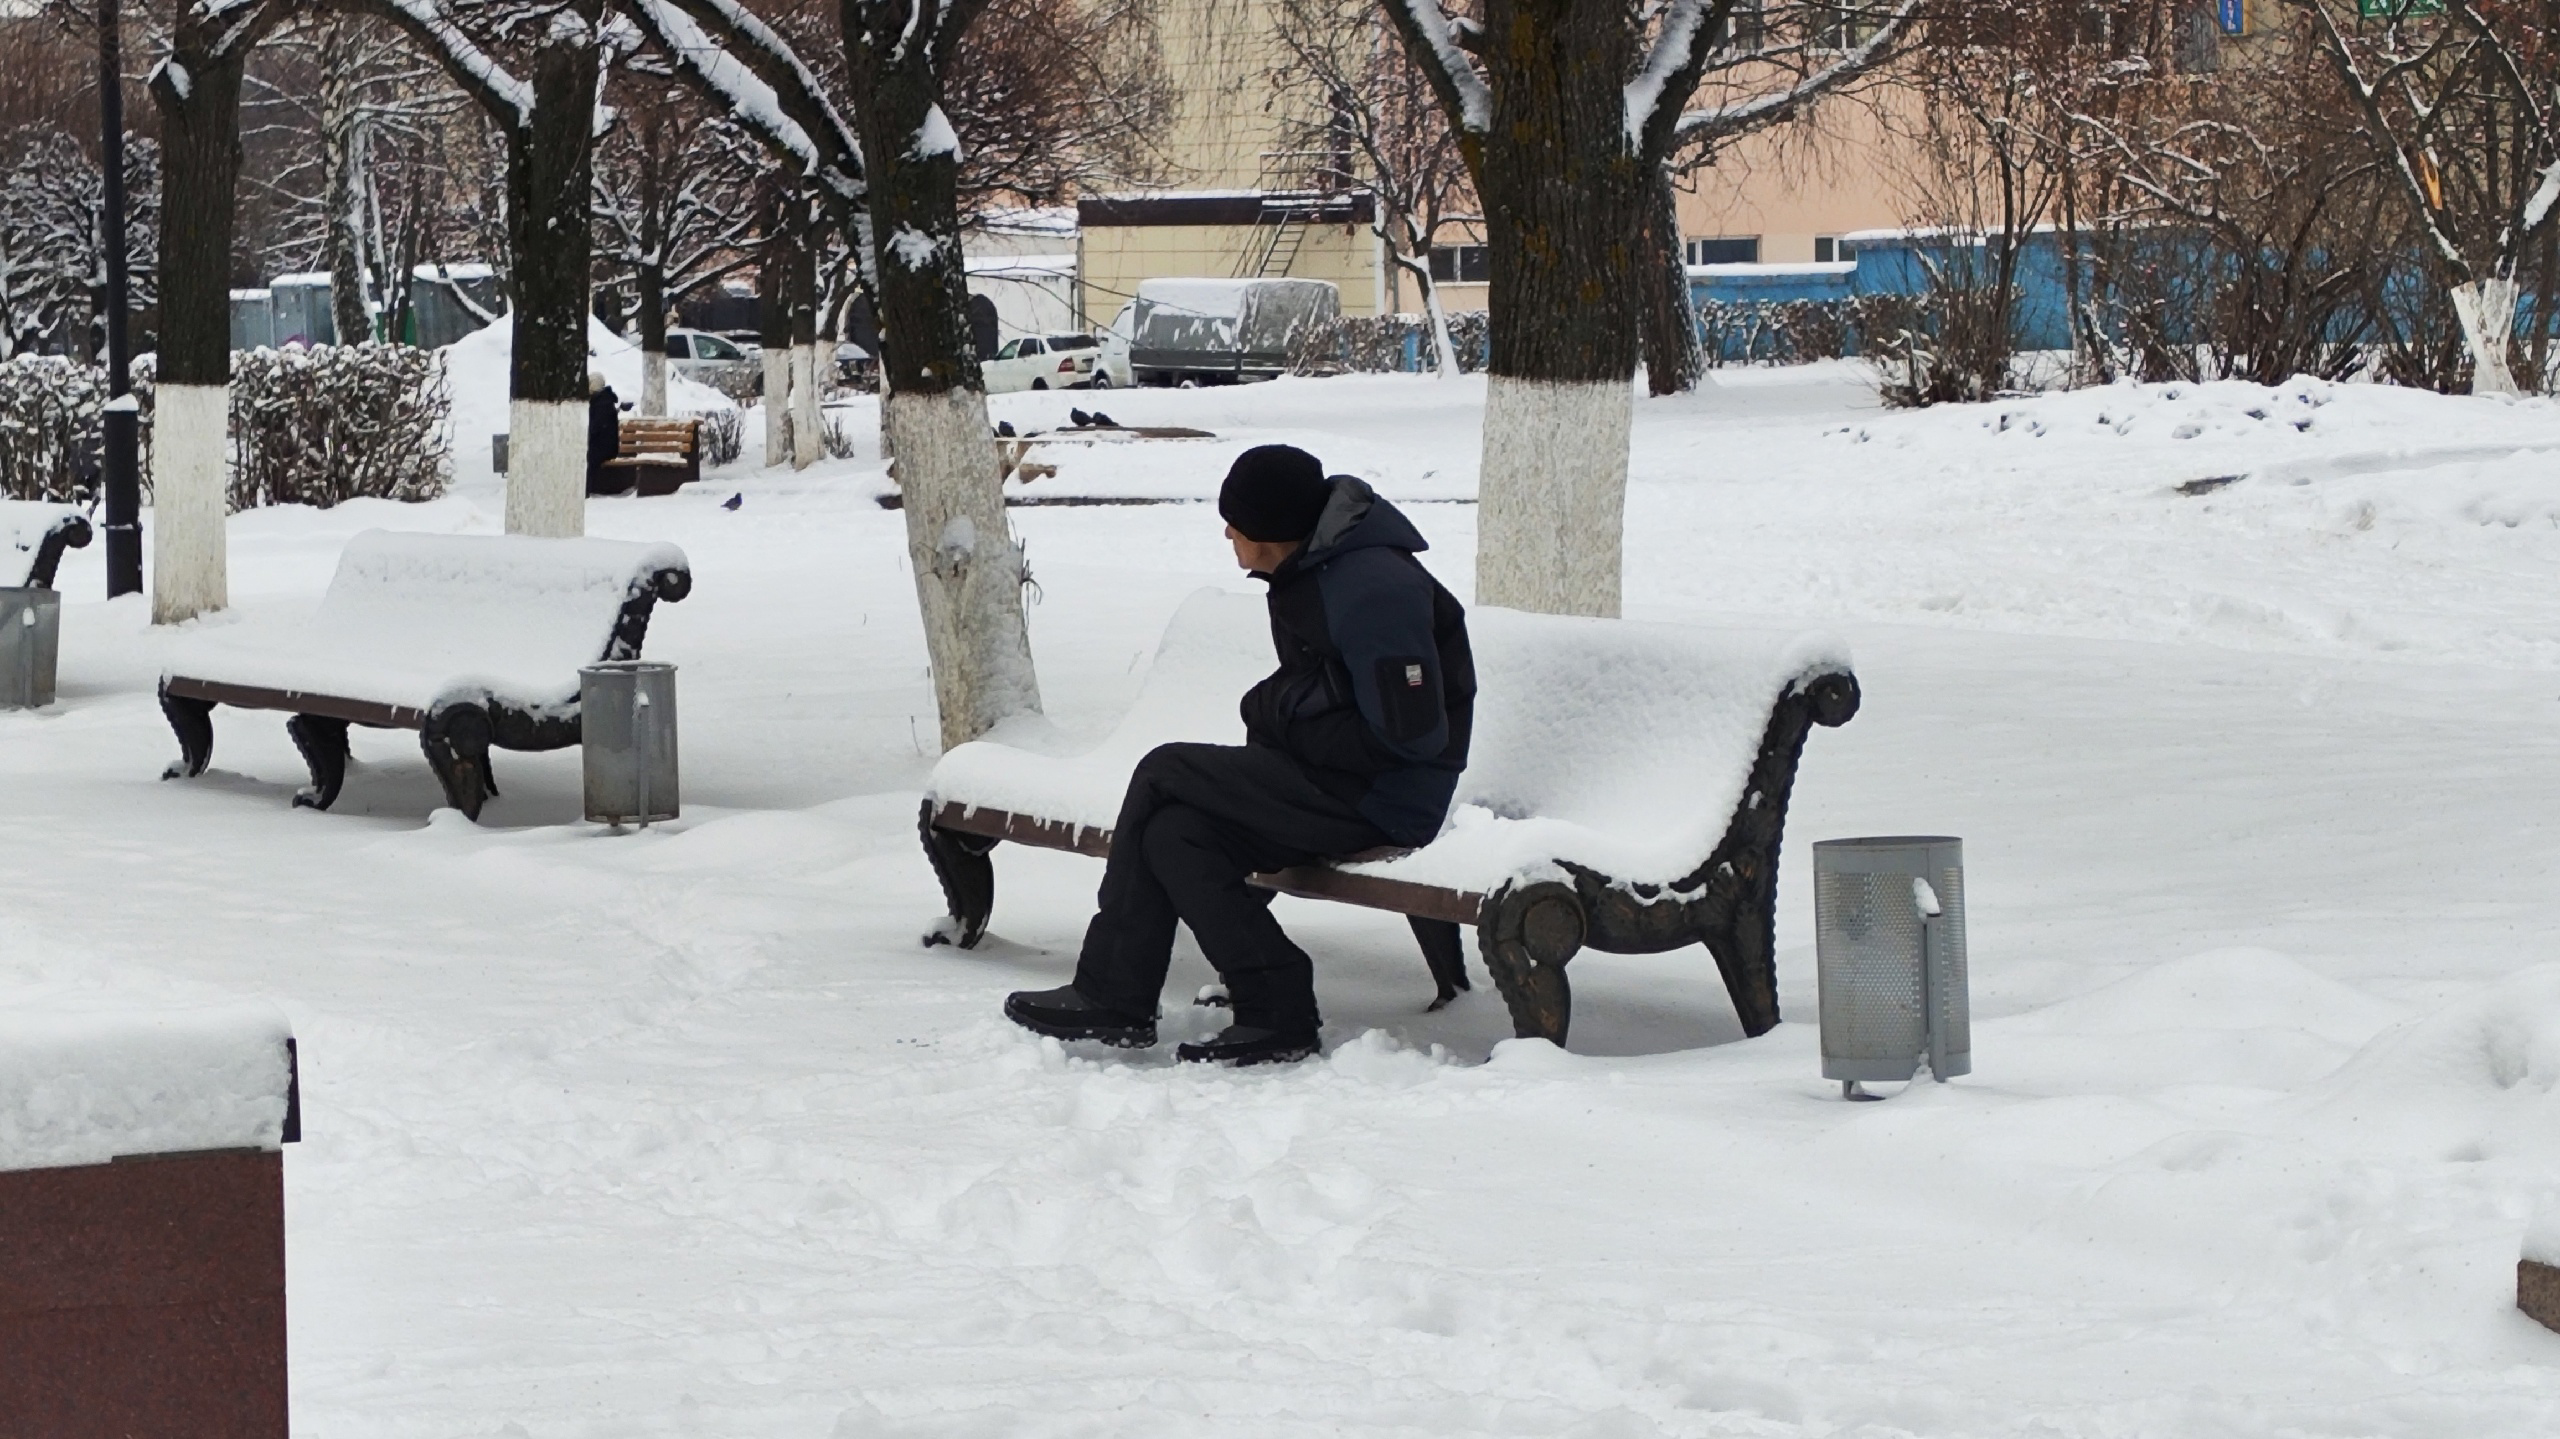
(546, 468)
(190, 495)
(2487, 312)
(653, 382)
(777, 405)
(807, 446)
(968, 568)
(1440, 329)
(1552, 497)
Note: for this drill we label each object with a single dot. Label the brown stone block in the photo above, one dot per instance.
(144, 1298)
(2538, 1291)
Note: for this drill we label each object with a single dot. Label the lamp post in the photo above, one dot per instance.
(122, 477)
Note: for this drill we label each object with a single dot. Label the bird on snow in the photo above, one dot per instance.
(1005, 428)
(1102, 421)
(734, 501)
(1080, 418)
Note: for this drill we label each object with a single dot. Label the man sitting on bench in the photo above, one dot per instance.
(1355, 743)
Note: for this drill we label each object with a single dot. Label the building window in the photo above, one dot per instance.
(1744, 29)
(1842, 24)
(1828, 249)
(1725, 250)
(1461, 264)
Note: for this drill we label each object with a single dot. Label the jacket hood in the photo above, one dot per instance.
(1356, 518)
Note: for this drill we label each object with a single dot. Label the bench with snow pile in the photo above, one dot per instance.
(1626, 792)
(142, 1237)
(33, 536)
(474, 641)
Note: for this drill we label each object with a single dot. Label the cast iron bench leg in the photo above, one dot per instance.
(1527, 935)
(456, 740)
(323, 742)
(968, 876)
(1444, 953)
(193, 722)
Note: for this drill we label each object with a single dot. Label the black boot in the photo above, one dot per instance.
(1242, 1044)
(1064, 1014)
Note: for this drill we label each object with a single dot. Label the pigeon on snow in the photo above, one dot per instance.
(734, 501)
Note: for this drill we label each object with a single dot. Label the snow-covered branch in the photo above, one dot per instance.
(761, 81)
(1432, 40)
(506, 98)
(1679, 53)
(1775, 105)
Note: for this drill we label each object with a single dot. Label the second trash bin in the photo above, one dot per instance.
(1888, 927)
(30, 645)
(628, 730)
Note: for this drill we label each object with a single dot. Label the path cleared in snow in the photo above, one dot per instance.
(681, 1133)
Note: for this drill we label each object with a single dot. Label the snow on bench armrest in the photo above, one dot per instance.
(1618, 745)
(414, 620)
(25, 525)
(84, 1078)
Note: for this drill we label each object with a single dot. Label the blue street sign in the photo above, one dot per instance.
(2235, 17)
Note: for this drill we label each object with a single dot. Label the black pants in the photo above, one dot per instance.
(1197, 819)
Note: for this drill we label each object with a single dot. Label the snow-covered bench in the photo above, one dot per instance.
(142, 1246)
(1627, 789)
(33, 536)
(474, 641)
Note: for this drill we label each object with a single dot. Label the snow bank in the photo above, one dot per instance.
(476, 369)
(23, 527)
(416, 620)
(2542, 1238)
(2478, 1078)
(1609, 743)
(85, 1078)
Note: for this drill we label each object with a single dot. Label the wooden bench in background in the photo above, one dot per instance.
(660, 455)
(474, 641)
(1627, 792)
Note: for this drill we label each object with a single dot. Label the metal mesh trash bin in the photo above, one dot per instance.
(627, 720)
(30, 644)
(1889, 949)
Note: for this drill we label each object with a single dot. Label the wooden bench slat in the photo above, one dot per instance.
(1311, 881)
(253, 697)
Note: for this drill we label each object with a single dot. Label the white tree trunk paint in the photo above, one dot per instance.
(968, 568)
(190, 496)
(1551, 503)
(2487, 312)
(777, 406)
(807, 447)
(653, 382)
(547, 467)
(1440, 331)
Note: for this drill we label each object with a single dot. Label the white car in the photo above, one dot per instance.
(1115, 348)
(734, 370)
(1047, 362)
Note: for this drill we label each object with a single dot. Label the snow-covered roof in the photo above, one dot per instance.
(1047, 220)
(87, 1077)
(299, 278)
(472, 270)
(1808, 267)
(1027, 266)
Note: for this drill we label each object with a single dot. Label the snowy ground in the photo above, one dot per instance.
(681, 1133)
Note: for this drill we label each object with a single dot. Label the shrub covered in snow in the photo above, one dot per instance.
(49, 428)
(337, 422)
(1379, 344)
(723, 438)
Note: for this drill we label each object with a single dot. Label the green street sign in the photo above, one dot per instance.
(2398, 9)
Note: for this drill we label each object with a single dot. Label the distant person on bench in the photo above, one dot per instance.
(1355, 743)
(604, 436)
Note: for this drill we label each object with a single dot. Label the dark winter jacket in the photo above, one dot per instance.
(604, 428)
(1375, 693)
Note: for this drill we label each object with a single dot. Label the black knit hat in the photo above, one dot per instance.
(1274, 493)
